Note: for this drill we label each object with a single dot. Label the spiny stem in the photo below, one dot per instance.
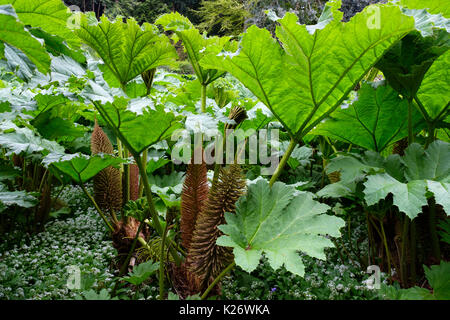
(217, 279)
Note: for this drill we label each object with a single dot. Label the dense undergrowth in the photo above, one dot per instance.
(35, 266)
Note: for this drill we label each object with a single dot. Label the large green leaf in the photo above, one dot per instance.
(19, 198)
(432, 6)
(408, 197)
(439, 279)
(80, 168)
(126, 49)
(430, 164)
(24, 141)
(51, 16)
(319, 65)
(13, 32)
(278, 222)
(375, 120)
(407, 62)
(197, 45)
(426, 170)
(434, 92)
(140, 131)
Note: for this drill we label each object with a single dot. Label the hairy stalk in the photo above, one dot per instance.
(283, 161)
(403, 266)
(203, 93)
(120, 149)
(388, 253)
(410, 128)
(144, 164)
(130, 253)
(161, 263)
(433, 233)
(413, 250)
(152, 211)
(96, 207)
(217, 279)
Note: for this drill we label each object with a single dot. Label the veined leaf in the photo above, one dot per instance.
(197, 46)
(140, 131)
(432, 6)
(408, 197)
(278, 223)
(377, 119)
(126, 49)
(142, 272)
(13, 32)
(19, 198)
(17, 140)
(80, 168)
(434, 92)
(426, 170)
(407, 62)
(318, 67)
(51, 16)
(430, 164)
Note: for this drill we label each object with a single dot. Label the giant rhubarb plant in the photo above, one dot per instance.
(309, 75)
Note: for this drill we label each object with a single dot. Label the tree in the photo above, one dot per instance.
(141, 10)
(222, 17)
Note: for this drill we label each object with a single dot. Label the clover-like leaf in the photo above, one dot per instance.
(280, 223)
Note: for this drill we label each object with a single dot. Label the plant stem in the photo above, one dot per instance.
(120, 150)
(388, 253)
(403, 268)
(410, 128)
(203, 93)
(413, 250)
(144, 164)
(96, 207)
(433, 234)
(130, 253)
(217, 279)
(283, 161)
(161, 264)
(152, 211)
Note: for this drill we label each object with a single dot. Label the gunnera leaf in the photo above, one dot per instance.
(206, 258)
(280, 223)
